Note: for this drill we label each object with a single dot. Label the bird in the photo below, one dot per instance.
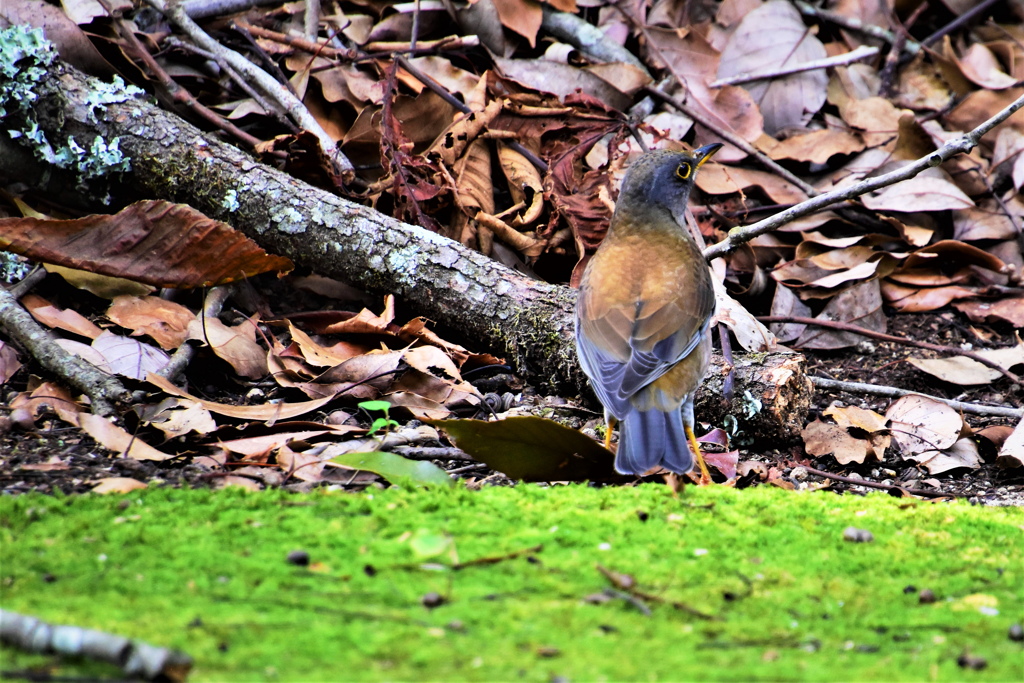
(643, 313)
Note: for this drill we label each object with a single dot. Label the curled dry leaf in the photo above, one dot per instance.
(963, 453)
(1009, 310)
(816, 147)
(61, 319)
(165, 321)
(49, 397)
(823, 438)
(109, 435)
(236, 345)
(266, 412)
(921, 424)
(1011, 455)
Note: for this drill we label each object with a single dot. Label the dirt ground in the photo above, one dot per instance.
(56, 456)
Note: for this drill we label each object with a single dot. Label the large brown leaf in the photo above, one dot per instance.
(155, 242)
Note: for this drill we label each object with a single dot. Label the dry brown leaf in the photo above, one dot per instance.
(9, 363)
(860, 305)
(877, 119)
(920, 424)
(165, 321)
(817, 146)
(451, 144)
(61, 319)
(988, 220)
(562, 80)
(110, 436)
(917, 299)
(320, 355)
(981, 67)
(861, 418)
(922, 193)
(718, 179)
(963, 453)
(1011, 455)
(177, 417)
(967, 371)
(268, 411)
(524, 183)
(153, 242)
(128, 357)
(1009, 309)
(695, 62)
(46, 397)
(774, 36)
(520, 16)
(821, 438)
(236, 345)
(117, 485)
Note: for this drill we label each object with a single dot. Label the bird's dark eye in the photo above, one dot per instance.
(684, 170)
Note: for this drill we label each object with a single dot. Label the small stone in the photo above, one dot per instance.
(432, 600)
(1016, 633)
(926, 597)
(548, 651)
(798, 474)
(909, 589)
(299, 558)
(855, 535)
(973, 662)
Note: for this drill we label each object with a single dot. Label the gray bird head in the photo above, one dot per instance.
(663, 179)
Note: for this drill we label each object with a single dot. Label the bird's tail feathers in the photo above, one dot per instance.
(652, 438)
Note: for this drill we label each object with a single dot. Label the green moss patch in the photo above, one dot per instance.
(206, 573)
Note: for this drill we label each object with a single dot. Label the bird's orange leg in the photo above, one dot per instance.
(705, 477)
(609, 427)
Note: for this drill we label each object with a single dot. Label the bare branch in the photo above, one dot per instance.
(742, 235)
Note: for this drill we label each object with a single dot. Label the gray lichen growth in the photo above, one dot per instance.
(110, 93)
(230, 201)
(25, 56)
(287, 220)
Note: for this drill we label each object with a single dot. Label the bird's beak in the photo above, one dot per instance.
(706, 152)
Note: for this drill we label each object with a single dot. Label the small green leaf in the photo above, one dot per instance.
(396, 469)
(370, 406)
(427, 544)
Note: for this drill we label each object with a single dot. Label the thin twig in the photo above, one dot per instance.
(960, 21)
(963, 145)
(882, 336)
(260, 79)
(807, 9)
(862, 52)
(175, 92)
(926, 493)
(894, 392)
(735, 140)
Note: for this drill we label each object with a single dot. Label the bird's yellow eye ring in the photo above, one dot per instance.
(684, 170)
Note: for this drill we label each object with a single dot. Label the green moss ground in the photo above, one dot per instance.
(205, 572)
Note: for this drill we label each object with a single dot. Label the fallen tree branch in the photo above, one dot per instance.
(134, 657)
